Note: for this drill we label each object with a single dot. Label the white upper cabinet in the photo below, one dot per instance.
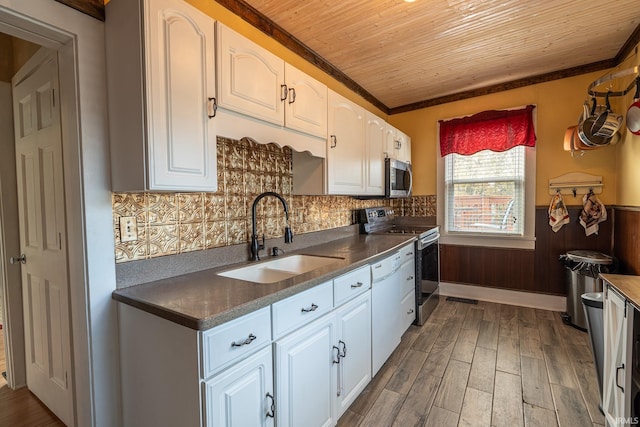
(161, 82)
(346, 150)
(397, 144)
(404, 146)
(256, 83)
(306, 103)
(250, 78)
(375, 142)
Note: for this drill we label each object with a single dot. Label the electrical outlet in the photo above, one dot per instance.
(128, 229)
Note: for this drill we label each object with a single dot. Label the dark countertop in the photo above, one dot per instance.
(629, 286)
(203, 299)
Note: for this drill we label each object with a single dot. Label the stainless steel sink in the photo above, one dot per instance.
(280, 268)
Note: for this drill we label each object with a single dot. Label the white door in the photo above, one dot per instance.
(242, 395)
(305, 375)
(617, 369)
(45, 284)
(354, 332)
(346, 150)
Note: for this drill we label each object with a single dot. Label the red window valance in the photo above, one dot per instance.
(495, 130)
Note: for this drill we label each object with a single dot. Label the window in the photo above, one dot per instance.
(484, 192)
(487, 197)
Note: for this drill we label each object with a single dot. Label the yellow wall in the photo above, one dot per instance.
(559, 104)
(233, 21)
(628, 149)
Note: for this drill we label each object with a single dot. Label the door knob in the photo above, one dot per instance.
(22, 259)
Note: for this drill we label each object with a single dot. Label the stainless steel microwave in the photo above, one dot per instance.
(397, 178)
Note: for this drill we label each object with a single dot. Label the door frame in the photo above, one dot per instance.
(79, 40)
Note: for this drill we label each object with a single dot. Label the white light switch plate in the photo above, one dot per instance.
(128, 229)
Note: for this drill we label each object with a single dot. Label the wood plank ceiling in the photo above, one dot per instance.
(403, 56)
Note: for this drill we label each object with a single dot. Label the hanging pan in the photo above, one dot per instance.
(585, 134)
(633, 113)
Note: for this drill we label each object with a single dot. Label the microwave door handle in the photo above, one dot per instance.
(410, 180)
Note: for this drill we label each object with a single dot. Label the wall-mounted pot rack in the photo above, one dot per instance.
(575, 183)
(635, 72)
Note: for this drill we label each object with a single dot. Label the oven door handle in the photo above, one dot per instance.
(426, 242)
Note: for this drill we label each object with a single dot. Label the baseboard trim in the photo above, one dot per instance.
(504, 296)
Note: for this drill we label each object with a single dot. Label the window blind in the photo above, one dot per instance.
(485, 192)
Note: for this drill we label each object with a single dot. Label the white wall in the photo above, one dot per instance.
(80, 43)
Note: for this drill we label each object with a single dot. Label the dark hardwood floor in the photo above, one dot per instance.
(484, 365)
(20, 408)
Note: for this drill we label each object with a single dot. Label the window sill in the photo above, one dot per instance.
(488, 240)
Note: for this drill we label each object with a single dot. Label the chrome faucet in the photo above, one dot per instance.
(256, 246)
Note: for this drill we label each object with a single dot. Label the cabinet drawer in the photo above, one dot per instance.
(408, 310)
(385, 267)
(408, 253)
(407, 277)
(225, 344)
(302, 308)
(351, 284)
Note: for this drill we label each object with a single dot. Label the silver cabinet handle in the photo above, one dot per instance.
(357, 285)
(22, 259)
(283, 92)
(334, 141)
(410, 311)
(292, 95)
(617, 370)
(213, 108)
(409, 278)
(312, 308)
(272, 408)
(249, 340)
(377, 266)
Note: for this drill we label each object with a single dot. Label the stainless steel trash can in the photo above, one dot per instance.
(582, 268)
(594, 313)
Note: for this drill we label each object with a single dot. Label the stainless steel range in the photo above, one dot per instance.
(382, 220)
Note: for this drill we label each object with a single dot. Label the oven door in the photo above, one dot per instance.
(398, 178)
(428, 272)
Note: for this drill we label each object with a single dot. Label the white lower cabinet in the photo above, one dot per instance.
(305, 380)
(354, 343)
(243, 394)
(322, 367)
(618, 328)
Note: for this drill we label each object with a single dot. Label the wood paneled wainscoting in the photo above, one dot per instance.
(526, 270)
(626, 239)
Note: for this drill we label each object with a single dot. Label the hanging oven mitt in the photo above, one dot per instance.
(593, 213)
(558, 214)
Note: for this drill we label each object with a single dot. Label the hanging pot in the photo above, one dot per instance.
(633, 113)
(585, 133)
(607, 123)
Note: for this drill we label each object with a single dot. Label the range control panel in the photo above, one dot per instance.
(375, 219)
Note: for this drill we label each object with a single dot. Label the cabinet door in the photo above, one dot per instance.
(250, 78)
(306, 104)
(181, 140)
(306, 375)
(404, 146)
(242, 395)
(346, 150)
(617, 358)
(354, 340)
(375, 142)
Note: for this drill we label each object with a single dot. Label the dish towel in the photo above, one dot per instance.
(558, 214)
(593, 213)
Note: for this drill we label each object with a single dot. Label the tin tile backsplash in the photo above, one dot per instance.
(172, 223)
